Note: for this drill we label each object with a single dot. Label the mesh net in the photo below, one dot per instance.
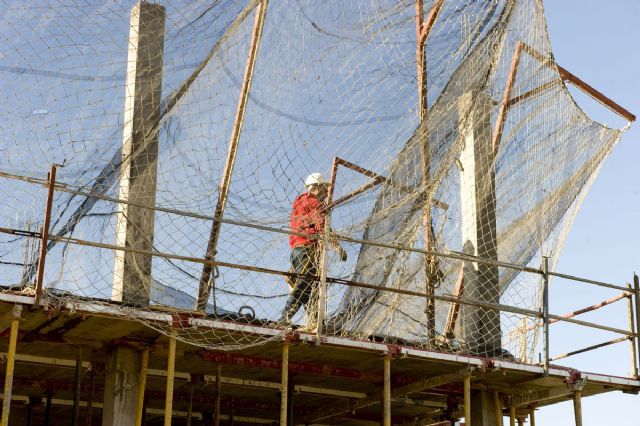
(142, 107)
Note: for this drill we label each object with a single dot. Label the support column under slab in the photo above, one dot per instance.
(122, 372)
(483, 408)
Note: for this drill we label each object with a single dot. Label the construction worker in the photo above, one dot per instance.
(308, 217)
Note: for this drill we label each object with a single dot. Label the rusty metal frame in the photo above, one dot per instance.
(423, 29)
(590, 348)
(206, 284)
(44, 236)
(565, 75)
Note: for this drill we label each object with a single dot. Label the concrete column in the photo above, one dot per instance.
(483, 408)
(121, 387)
(479, 328)
(134, 228)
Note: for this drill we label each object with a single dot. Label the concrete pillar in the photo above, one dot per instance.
(483, 410)
(479, 328)
(134, 228)
(122, 378)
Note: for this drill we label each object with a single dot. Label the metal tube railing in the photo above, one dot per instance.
(546, 317)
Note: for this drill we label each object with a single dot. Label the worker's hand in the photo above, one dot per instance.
(343, 254)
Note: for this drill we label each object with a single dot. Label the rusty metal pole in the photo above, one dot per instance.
(322, 285)
(206, 283)
(423, 28)
(545, 311)
(632, 329)
(45, 236)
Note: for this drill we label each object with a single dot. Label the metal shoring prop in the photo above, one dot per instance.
(284, 385)
(171, 365)
(45, 236)
(11, 362)
(207, 280)
(142, 383)
(423, 28)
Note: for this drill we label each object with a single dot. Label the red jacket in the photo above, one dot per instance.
(307, 216)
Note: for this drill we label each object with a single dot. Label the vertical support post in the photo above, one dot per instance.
(138, 172)
(545, 311)
(423, 28)
(386, 394)
(467, 400)
(532, 417)
(142, 383)
(290, 408)
(89, 412)
(577, 407)
(190, 406)
(121, 386)
(322, 285)
(11, 361)
(480, 331)
(171, 368)
(632, 329)
(206, 281)
(512, 415)
(47, 408)
(77, 389)
(497, 407)
(284, 385)
(216, 408)
(45, 236)
(636, 293)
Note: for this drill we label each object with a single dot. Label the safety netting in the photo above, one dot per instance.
(184, 130)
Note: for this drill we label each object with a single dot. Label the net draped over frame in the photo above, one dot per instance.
(330, 79)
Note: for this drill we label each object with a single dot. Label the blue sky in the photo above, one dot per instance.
(598, 41)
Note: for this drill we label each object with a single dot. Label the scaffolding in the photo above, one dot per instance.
(452, 202)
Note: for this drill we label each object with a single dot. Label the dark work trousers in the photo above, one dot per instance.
(304, 260)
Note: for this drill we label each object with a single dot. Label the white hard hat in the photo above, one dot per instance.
(315, 179)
